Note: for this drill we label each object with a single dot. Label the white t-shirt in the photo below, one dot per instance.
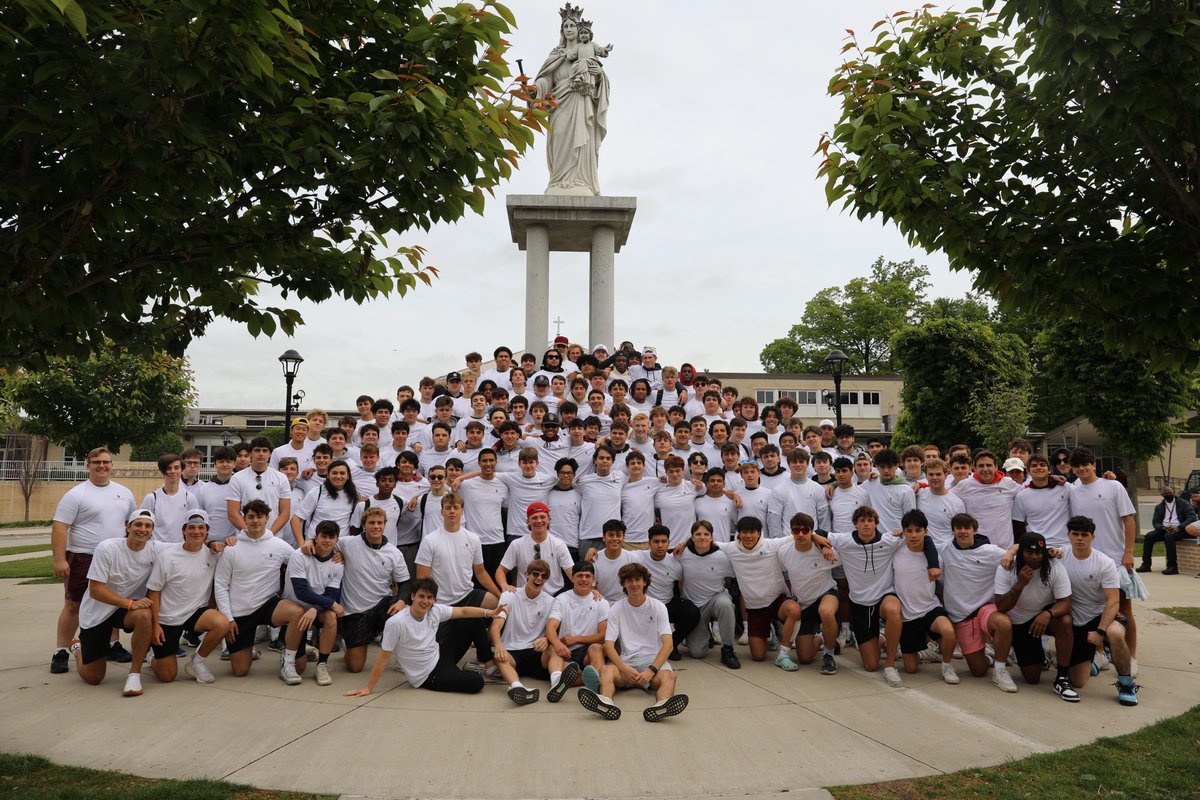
(321, 575)
(185, 581)
(318, 506)
(607, 582)
(639, 631)
(523, 492)
(918, 594)
(992, 505)
(601, 501)
(414, 641)
(579, 615)
(303, 456)
(704, 576)
(1036, 595)
(211, 497)
(1089, 578)
(369, 573)
(868, 566)
(891, 501)
(759, 576)
(721, 513)
(451, 558)
(525, 618)
(521, 552)
(247, 573)
(244, 487)
(755, 503)
(1045, 511)
(564, 515)
(809, 573)
(122, 571)
(791, 497)
(1106, 503)
(939, 510)
(637, 508)
(170, 511)
(408, 527)
(93, 513)
(390, 506)
(677, 510)
(968, 578)
(663, 575)
(843, 504)
(482, 502)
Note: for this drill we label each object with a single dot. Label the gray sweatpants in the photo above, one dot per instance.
(719, 607)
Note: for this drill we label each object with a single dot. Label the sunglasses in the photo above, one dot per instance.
(799, 529)
(537, 573)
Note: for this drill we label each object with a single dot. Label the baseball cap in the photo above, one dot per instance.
(453, 376)
(1033, 542)
(140, 513)
(537, 508)
(541, 380)
(826, 423)
(561, 340)
(551, 419)
(649, 351)
(1014, 463)
(300, 421)
(196, 515)
(583, 566)
(599, 347)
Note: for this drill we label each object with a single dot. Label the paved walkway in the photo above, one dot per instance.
(749, 733)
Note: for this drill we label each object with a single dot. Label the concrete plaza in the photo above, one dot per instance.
(749, 733)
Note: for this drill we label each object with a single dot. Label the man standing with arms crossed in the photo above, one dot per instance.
(88, 514)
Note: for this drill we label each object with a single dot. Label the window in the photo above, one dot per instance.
(870, 398)
(71, 458)
(788, 393)
(765, 397)
(849, 398)
(259, 422)
(806, 398)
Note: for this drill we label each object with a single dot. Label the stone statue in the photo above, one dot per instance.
(574, 77)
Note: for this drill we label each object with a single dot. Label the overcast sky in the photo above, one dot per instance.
(715, 114)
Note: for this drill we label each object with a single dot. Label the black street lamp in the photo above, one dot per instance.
(291, 361)
(837, 363)
(226, 438)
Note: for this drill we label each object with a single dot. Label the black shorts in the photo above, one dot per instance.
(579, 655)
(915, 633)
(528, 663)
(759, 620)
(1028, 647)
(1082, 650)
(248, 624)
(172, 634)
(359, 630)
(864, 620)
(94, 642)
(810, 616)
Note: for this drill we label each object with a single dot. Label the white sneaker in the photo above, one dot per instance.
(744, 639)
(844, 637)
(892, 676)
(932, 654)
(262, 634)
(311, 653)
(133, 685)
(948, 673)
(1100, 660)
(1003, 681)
(224, 650)
(288, 674)
(197, 667)
(255, 654)
(323, 677)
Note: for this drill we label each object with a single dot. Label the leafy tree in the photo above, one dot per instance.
(166, 159)
(859, 319)
(276, 434)
(950, 367)
(1049, 149)
(157, 446)
(971, 308)
(112, 398)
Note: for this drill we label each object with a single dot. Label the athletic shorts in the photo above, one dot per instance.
(642, 666)
(94, 642)
(76, 584)
(864, 620)
(248, 624)
(838, 572)
(759, 620)
(1082, 650)
(579, 655)
(915, 633)
(528, 663)
(359, 630)
(810, 617)
(972, 632)
(1027, 646)
(172, 633)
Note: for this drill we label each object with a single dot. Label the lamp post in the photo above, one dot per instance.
(226, 438)
(837, 363)
(291, 361)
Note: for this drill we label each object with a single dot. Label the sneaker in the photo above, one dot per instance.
(311, 653)
(263, 633)
(597, 704)
(828, 665)
(181, 653)
(1003, 681)
(197, 667)
(729, 658)
(1100, 661)
(133, 685)
(322, 674)
(675, 654)
(844, 636)
(672, 706)
(1171, 571)
(1143, 568)
(522, 696)
(570, 674)
(785, 663)
(1093, 669)
(591, 679)
(772, 642)
(276, 645)
(191, 638)
(744, 639)
(224, 651)
(60, 661)
(932, 654)
(288, 674)
(892, 676)
(1127, 690)
(255, 654)
(1064, 689)
(117, 653)
(948, 674)
(1047, 661)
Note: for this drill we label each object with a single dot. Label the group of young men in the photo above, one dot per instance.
(673, 515)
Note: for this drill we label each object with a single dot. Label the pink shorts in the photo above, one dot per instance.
(972, 632)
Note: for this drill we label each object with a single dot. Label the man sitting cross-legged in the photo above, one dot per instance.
(519, 633)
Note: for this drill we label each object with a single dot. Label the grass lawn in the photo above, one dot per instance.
(35, 778)
(39, 581)
(28, 568)
(23, 548)
(33, 523)
(1159, 761)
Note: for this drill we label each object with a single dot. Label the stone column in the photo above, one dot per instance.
(537, 288)
(602, 293)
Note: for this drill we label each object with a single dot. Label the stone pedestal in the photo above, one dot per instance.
(596, 225)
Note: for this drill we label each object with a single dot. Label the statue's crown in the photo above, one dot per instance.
(570, 12)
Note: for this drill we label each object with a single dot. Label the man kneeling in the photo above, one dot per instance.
(639, 625)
